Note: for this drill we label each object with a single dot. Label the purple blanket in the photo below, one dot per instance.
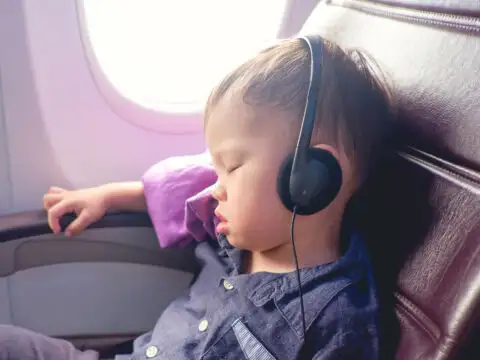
(178, 197)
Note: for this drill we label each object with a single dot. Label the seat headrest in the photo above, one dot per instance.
(421, 214)
(455, 7)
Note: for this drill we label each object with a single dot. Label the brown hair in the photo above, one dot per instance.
(354, 108)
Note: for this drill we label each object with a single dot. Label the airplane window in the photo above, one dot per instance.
(167, 54)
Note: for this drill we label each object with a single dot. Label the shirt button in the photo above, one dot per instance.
(151, 352)
(203, 325)
(227, 285)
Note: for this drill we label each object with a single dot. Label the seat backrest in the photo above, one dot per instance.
(421, 212)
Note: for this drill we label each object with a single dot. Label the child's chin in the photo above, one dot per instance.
(238, 243)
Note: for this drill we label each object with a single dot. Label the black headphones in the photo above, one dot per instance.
(310, 178)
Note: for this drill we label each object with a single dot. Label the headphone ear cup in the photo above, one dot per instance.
(329, 187)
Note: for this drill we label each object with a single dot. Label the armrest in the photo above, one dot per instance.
(32, 223)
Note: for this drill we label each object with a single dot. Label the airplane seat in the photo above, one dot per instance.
(421, 210)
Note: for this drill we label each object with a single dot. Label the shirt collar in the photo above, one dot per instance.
(319, 284)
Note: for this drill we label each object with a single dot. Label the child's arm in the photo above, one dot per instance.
(125, 196)
(91, 204)
(175, 192)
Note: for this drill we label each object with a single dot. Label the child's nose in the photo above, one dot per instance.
(219, 193)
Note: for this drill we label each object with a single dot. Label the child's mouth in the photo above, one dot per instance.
(222, 226)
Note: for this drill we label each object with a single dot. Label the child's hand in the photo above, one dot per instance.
(90, 205)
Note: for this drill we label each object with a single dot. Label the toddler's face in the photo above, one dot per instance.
(248, 146)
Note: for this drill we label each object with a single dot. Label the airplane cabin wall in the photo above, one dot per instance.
(56, 125)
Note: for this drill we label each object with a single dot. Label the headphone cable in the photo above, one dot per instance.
(298, 272)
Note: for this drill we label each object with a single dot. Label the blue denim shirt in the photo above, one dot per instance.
(229, 315)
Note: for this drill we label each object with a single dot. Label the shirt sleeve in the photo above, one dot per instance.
(179, 201)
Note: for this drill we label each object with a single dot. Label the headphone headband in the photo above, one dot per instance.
(315, 46)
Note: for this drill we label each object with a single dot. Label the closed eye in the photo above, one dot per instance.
(232, 169)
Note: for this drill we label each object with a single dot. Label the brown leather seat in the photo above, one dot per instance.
(421, 212)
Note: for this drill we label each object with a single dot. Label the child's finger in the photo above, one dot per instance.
(55, 190)
(51, 199)
(83, 220)
(56, 212)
